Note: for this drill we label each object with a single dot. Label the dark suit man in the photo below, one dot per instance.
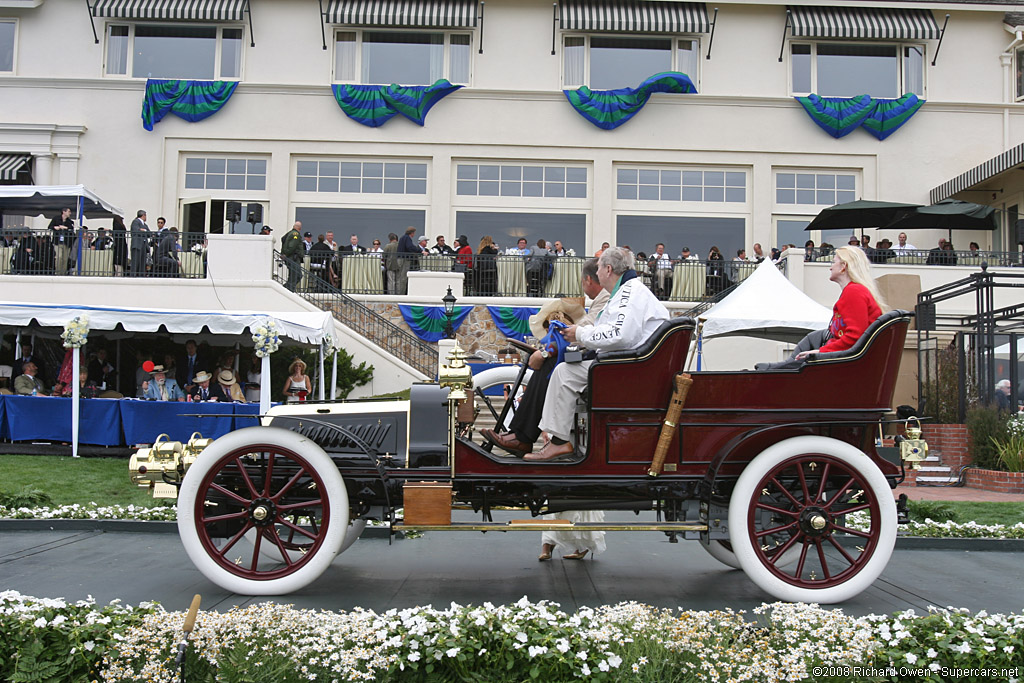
(140, 244)
(189, 365)
(353, 246)
(166, 261)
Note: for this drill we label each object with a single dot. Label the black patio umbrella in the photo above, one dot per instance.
(949, 214)
(863, 213)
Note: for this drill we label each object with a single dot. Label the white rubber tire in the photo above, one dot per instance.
(337, 522)
(352, 534)
(746, 491)
(719, 550)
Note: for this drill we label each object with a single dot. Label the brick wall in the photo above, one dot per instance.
(951, 441)
(993, 480)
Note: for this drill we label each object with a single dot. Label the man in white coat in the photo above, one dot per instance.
(632, 315)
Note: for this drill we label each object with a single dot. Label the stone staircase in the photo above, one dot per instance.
(932, 472)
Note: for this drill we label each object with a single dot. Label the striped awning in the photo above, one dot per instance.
(187, 10)
(428, 13)
(1011, 158)
(637, 16)
(863, 22)
(11, 164)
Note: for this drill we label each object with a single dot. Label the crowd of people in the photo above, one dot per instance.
(137, 251)
(191, 375)
(884, 251)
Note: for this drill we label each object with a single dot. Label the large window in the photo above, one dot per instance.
(849, 69)
(688, 185)
(174, 51)
(506, 227)
(403, 57)
(699, 233)
(814, 189)
(8, 29)
(218, 173)
(609, 62)
(362, 177)
(521, 180)
(1020, 73)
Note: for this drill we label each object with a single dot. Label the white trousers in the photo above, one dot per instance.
(567, 382)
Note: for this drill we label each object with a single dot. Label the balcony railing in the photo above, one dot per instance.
(932, 257)
(377, 329)
(517, 276)
(93, 253)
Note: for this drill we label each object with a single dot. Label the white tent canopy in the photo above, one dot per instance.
(36, 200)
(302, 327)
(767, 305)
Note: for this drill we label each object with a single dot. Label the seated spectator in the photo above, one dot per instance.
(904, 248)
(201, 388)
(687, 255)
(538, 269)
(28, 383)
(227, 389)
(101, 372)
(661, 271)
(103, 241)
(973, 246)
(604, 245)
(520, 249)
(559, 250)
(717, 280)
(441, 248)
(166, 260)
(487, 268)
(161, 388)
(883, 251)
(86, 388)
(141, 376)
(758, 253)
(942, 255)
(321, 262)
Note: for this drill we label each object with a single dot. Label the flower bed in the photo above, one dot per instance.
(520, 642)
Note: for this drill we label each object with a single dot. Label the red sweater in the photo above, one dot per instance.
(853, 312)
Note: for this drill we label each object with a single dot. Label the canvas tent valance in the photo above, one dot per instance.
(37, 200)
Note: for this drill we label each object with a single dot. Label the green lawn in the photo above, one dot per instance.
(967, 511)
(72, 480)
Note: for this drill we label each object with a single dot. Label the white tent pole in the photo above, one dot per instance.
(320, 356)
(117, 365)
(17, 345)
(75, 395)
(265, 385)
(235, 369)
(334, 376)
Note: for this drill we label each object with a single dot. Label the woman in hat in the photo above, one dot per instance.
(297, 387)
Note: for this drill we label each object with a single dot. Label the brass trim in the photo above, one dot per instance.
(669, 424)
(593, 526)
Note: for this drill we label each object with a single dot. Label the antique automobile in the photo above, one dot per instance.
(773, 472)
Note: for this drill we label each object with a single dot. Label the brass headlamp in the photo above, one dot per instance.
(913, 449)
(161, 467)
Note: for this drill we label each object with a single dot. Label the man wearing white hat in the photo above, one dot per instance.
(160, 387)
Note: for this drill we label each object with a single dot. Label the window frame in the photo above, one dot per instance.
(359, 31)
(1018, 85)
(358, 199)
(218, 53)
(14, 44)
(229, 194)
(703, 207)
(797, 209)
(512, 203)
(587, 36)
(900, 45)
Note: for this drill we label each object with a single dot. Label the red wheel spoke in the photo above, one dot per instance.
(775, 530)
(840, 492)
(256, 550)
(800, 563)
(304, 504)
(234, 539)
(270, 474)
(786, 493)
(824, 562)
(852, 532)
(231, 494)
(780, 511)
(221, 518)
(291, 482)
(280, 546)
(803, 481)
(824, 481)
(245, 476)
(778, 552)
(842, 551)
(297, 528)
(858, 508)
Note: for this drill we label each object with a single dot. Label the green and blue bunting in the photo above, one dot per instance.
(839, 116)
(191, 100)
(889, 115)
(427, 322)
(375, 105)
(514, 323)
(609, 109)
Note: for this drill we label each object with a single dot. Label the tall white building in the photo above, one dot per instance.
(737, 162)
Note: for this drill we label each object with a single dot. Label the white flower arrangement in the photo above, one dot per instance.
(570, 252)
(76, 332)
(199, 248)
(327, 344)
(264, 336)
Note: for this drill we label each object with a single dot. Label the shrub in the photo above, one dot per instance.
(27, 497)
(350, 375)
(935, 510)
(987, 427)
(1011, 448)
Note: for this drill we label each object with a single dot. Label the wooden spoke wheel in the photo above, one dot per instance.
(275, 487)
(821, 502)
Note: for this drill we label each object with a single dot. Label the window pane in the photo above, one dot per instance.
(256, 182)
(231, 53)
(696, 232)
(790, 232)
(844, 196)
(394, 170)
(488, 188)
(372, 185)
(649, 192)
(215, 182)
(671, 177)
(533, 173)
(533, 189)
(305, 168)
(351, 185)
(692, 194)
(511, 172)
(373, 170)
(555, 173)
(490, 172)
(913, 70)
(216, 165)
(193, 181)
(117, 49)
(847, 70)
(554, 189)
(327, 185)
(670, 193)
(735, 194)
(736, 179)
(416, 170)
(574, 61)
(576, 190)
(626, 62)
(627, 175)
(716, 178)
(576, 175)
(345, 56)
(1020, 72)
(415, 186)
(394, 186)
(257, 166)
(714, 194)
(329, 168)
(805, 180)
(826, 197)
(826, 181)
(458, 57)
(800, 56)
(195, 165)
(785, 196)
(406, 58)
(693, 178)
(511, 189)
(466, 187)
(649, 177)
(351, 169)
(626, 192)
(236, 182)
(179, 51)
(805, 196)
(305, 184)
(7, 46)
(785, 180)
(236, 165)
(846, 182)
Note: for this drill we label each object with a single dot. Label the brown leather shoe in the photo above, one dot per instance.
(507, 441)
(550, 452)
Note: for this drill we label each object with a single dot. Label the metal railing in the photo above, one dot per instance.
(315, 287)
(519, 276)
(102, 253)
(930, 257)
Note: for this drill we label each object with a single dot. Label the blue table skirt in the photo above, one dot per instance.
(143, 421)
(46, 418)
